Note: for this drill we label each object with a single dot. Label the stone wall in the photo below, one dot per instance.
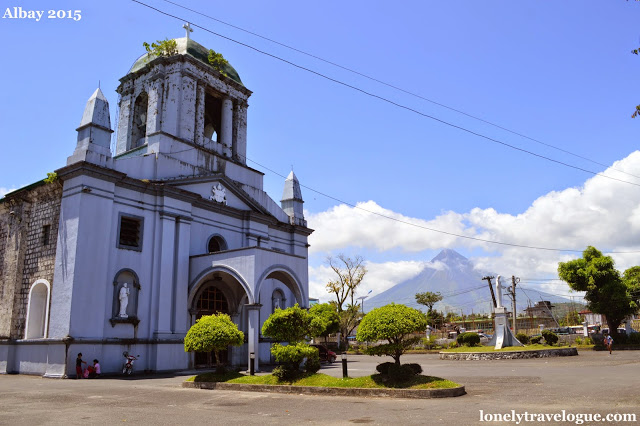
(24, 256)
(481, 356)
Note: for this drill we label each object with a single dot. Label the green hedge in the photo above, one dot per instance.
(468, 339)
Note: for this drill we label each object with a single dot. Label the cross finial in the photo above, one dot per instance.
(188, 28)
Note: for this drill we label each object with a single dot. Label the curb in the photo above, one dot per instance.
(314, 390)
(482, 356)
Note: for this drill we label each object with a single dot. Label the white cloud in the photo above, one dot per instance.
(379, 277)
(603, 213)
(4, 191)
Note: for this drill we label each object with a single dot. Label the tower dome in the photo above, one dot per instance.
(186, 46)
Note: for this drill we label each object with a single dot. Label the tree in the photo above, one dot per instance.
(607, 292)
(324, 320)
(631, 277)
(393, 323)
(435, 318)
(213, 333)
(287, 325)
(291, 325)
(429, 299)
(571, 318)
(349, 319)
(350, 273)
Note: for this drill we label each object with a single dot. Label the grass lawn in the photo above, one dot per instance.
(322, 380)
(536, 347)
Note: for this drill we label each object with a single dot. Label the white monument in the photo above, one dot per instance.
(502, 334)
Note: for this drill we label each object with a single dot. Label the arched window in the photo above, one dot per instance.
(38, 310)
(139, 124)
(212, 116)
(211, 301)
(216, 243)
(278, 301)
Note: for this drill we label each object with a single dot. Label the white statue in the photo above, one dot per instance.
(124, 300)
(498, 292)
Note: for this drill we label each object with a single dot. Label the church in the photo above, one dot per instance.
(124, 249)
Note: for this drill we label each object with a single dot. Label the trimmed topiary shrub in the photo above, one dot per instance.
(312, 365)
(384, 367)
(460, 339)
(550, 337)
(471, 339)
(290, 325)
(401, 373)
(535, 340)
(416, 368)
(284, 374)
(213, 333)
(395, 324)
(522, 338)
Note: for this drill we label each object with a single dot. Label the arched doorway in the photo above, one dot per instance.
(211, 300)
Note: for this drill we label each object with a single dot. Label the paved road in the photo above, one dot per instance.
(593, 382)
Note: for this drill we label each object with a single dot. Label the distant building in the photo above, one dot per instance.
(540, 309)
(591, 318)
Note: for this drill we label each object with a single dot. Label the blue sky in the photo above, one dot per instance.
(558, 72)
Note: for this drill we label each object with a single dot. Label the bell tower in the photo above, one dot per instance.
(181, 106)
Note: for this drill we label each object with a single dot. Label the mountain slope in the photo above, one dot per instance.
(460, 284)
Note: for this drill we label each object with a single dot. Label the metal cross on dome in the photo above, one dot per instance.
(188, 28)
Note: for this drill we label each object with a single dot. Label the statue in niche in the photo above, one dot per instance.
(124, 300)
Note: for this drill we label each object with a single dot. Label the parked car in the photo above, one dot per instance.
(484, 337)
(326, 355)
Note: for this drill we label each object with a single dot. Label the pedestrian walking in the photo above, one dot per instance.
(608, 342)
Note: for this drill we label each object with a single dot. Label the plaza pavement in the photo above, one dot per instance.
(593, 382)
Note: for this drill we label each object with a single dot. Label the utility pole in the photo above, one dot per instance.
(493, 295)
(512, 293)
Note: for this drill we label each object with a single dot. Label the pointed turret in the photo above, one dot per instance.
(292, 201)
(94, 133)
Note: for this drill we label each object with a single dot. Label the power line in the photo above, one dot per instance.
(396, 87)
(417, 112)
(373, 95)
(355, 206)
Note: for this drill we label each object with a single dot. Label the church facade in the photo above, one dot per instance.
(125, 250)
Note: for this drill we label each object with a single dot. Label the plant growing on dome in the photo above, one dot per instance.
(160, 48)
(217, 61)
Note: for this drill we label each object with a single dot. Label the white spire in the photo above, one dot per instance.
(94, 133)
(291, 188)
(97, 111)
(292, 201)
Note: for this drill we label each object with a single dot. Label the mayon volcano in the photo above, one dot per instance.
(459, 282)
